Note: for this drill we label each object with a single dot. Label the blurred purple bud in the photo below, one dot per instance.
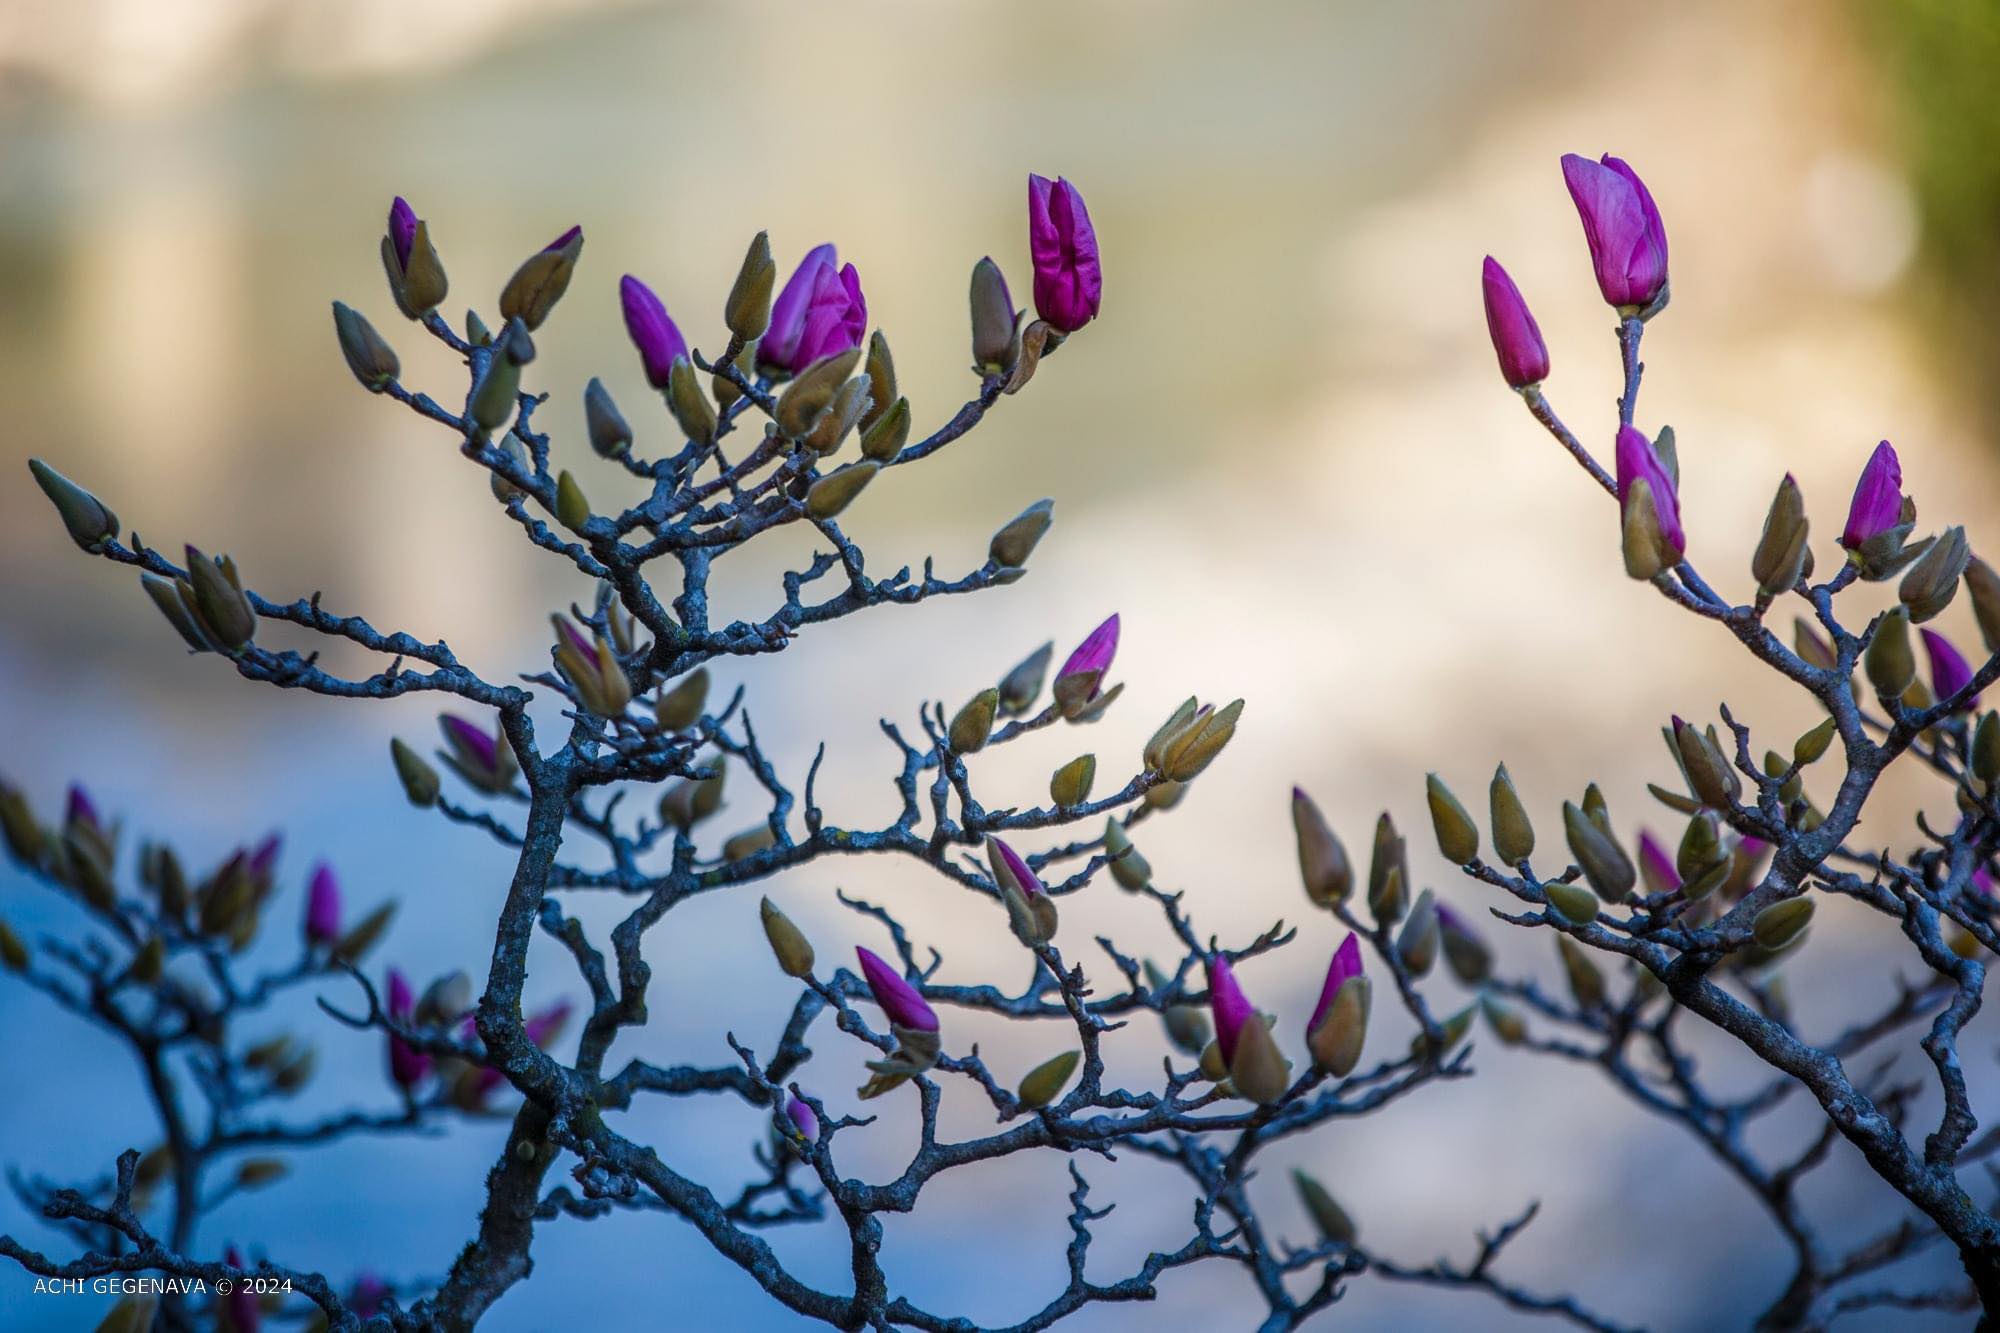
(900, 1002)
(1628, 242)
(803, 1119)
(780, 343)
(1024, 878)
(264, 859)
(81, 809)
(1095, 652)
(1069, 282)
(544, 1027)
(1878, 498)
(1226, 1001)
(659, 342)
(836, 317)
(1637, 461)
(1657, 864)
(402, 228)
(322, 906)
(473, 739)
(1346, 964)
(366, 1297)
(1950, 672)
(407, 1065)
(1517, 339)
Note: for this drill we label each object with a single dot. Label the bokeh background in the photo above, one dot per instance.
(1283, 454)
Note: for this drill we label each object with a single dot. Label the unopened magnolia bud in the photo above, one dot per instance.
(747, 313)
(1070, 784)
(1929, 586)
(1506, 1021)
(1597, 810)
(1331, 1219)
(1644, 543)
(572, 509)
(1257, 1069)
(1576, 904)
(541, 280)
(504, 490)
(90, 522)
(498, 392)
(1323, 863)
(420, 780)
(225, 614)
(748, 843)
(1604, 863)
(1457, 835)
(1469, 958)
(368, 355)
(1165, 795)
(692, 800)
(834, 492)
(1811, 648)
(993, 319)
(1709, 773)
(1021, 686)
(1187, 752)
(1450, 1033)
(168, 599)
(880, 370)
(794, 952)
(1986, 748)
(885, 437)
(1781, 923)
(1388, 873)
(1129, 869)
(973, 723)
(1417, 945)
(1782, 557)
(1013, 543)
(1047, 1079)
(1983, 586)
(1513, 834)
(1586, 983)
(1336, 1040)
(609, 435)
(355, 944)
(833, 426)
(688, 404)
(416, 275)
(1809, 747)
(811, 394)
(680, 707)
(1889, 661)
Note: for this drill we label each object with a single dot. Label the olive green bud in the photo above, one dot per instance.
(1647, 551)
(504, 490)
(794, 952)
(974, 723)
(1164, 795)
(168, 599)
(1188, 751)
(13, 952)
(1781, 923)
(1046, 1080)
(1417, 945)
(541, 281)
(609, 435)
(1576, 904)
(1984, 587)
(224, 612)
(1020, 687)
(1932, 581)
(476, 331)
(371, 358)
(572, 509)
(25, 836)
(1586, 983)
(1331, 1219)
(994, 345)
(1187, 1024)
(1604, 863)
(748, 843)
(1323, 863)
(1388, 873)
(146, 963)
(1890, 665)
(831, 431)
(1129, 870)
(420, 780)
(747, 313)
(1257, 1069)
(418, 284)
(1513, 834)
(1986, 748)
(885, 437)
(1457, 835)
(1013, 543)
(680, 707)
(1782, 557)
(268, 1053)
(1813, 650)
(1070, 785)
(498, 391)
(1710, 775)
(688, 404)
(1466, 954)
(1596, 809)
(1700, 848)
(800, 406)
(91, 524)
(836, 490)
(880, 369)
(1808, 748)
(352, 947)
(692, 800)
(1450, 1033)
(1337, 1039)
(1505, 1020)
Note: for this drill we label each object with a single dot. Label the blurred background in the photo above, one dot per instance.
(1283, 453)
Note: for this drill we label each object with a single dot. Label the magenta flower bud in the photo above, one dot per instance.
(402, 228)
(1094, 653)
(407, 1065)
(1878, 498)
(1025, 878)
(1982, 880)
(659, 342)
(901, 1004)
(322, 906)
(80, 809)
(1637, 461)
(366, 1297)
(1628, 242)
(263, 865)
(246, 1313)
(1069, 284)
(836, 317)
(1950, 672)
(473, 738)
(802, 1119)
(1657, 863)
(1517, 339)
(780, 343)
(1231, 1008)
(1346, 965)
(564, 241)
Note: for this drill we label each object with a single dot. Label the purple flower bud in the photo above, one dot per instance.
(1658, 864)
(264, 859)
(1346, 964)
(836, 317)
(402, 229)
(564, 241)
(1024, 878)
(81, 809)
(900, 1002)
(1950, 672)
(1517, 339)
(1878, 498)
(322, 906)
(1069, 284)
(1231, 1008)
(473, 739)
(575, 638)
(246, 1313)
(1628, 242)
(1636, 460)
(366, 1297)
(1982, 880)
(1094, 653)
(660, 343)
(803, 1119)
(407, 1065)
(780, 344)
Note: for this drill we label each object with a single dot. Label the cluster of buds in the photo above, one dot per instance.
(591, 667)
(206, 606)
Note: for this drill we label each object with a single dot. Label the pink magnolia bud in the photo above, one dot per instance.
(780, 344)
(472, 739)
(1636, 461)
(1950, 672)
(659, 342)
(407, 1065)
(802, 1119)
(900, 1002)
(1024, 878)
(365, 1298)
(1231, 1008)
(1069, 284)
(402, 229)
(1878, 498)
(263, 863)
(1346, 964)
(1656, 863)
(1628, 242)
(80, 811)
(1517, 339)
(836, 317)
(1091, 660)
(564, 241)
(322, 907)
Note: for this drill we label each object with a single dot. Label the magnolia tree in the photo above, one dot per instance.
(614, 756)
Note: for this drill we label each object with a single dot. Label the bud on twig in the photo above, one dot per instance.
(680, 707)
(993, 320)
(420, 780)
(1012, 545)
(1457, 835)
(1513, 834)
(484, 759)
(1388, 873)
(1129, 870)
(880, 370)
(885, 437)
(1331, 1219)
(748, 311)
(1710, 775)
(416, 275)
(1586, 983)
(1046, 1080)
(794, 952)
(541, 280)
(1079, 684)
(1417, 945)
(1339, 1024)
(805, 398)
(1932, 581)
(1889, 662)
(1984, 587)
(1574, 903)
(219, 605)
(371, 358)
(973, 723)
(352, 947)
(1782, 923)
(609, 435)
(1070, 784)
(831, 494)
(178, 611)
(1030, 910)
(1187, 1026)
(688, 404)
(1782, 557)
(1021, 686)
(1466, 954)
(748, 843)
(1603, 861)
(90, 522)
(1323, 863)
